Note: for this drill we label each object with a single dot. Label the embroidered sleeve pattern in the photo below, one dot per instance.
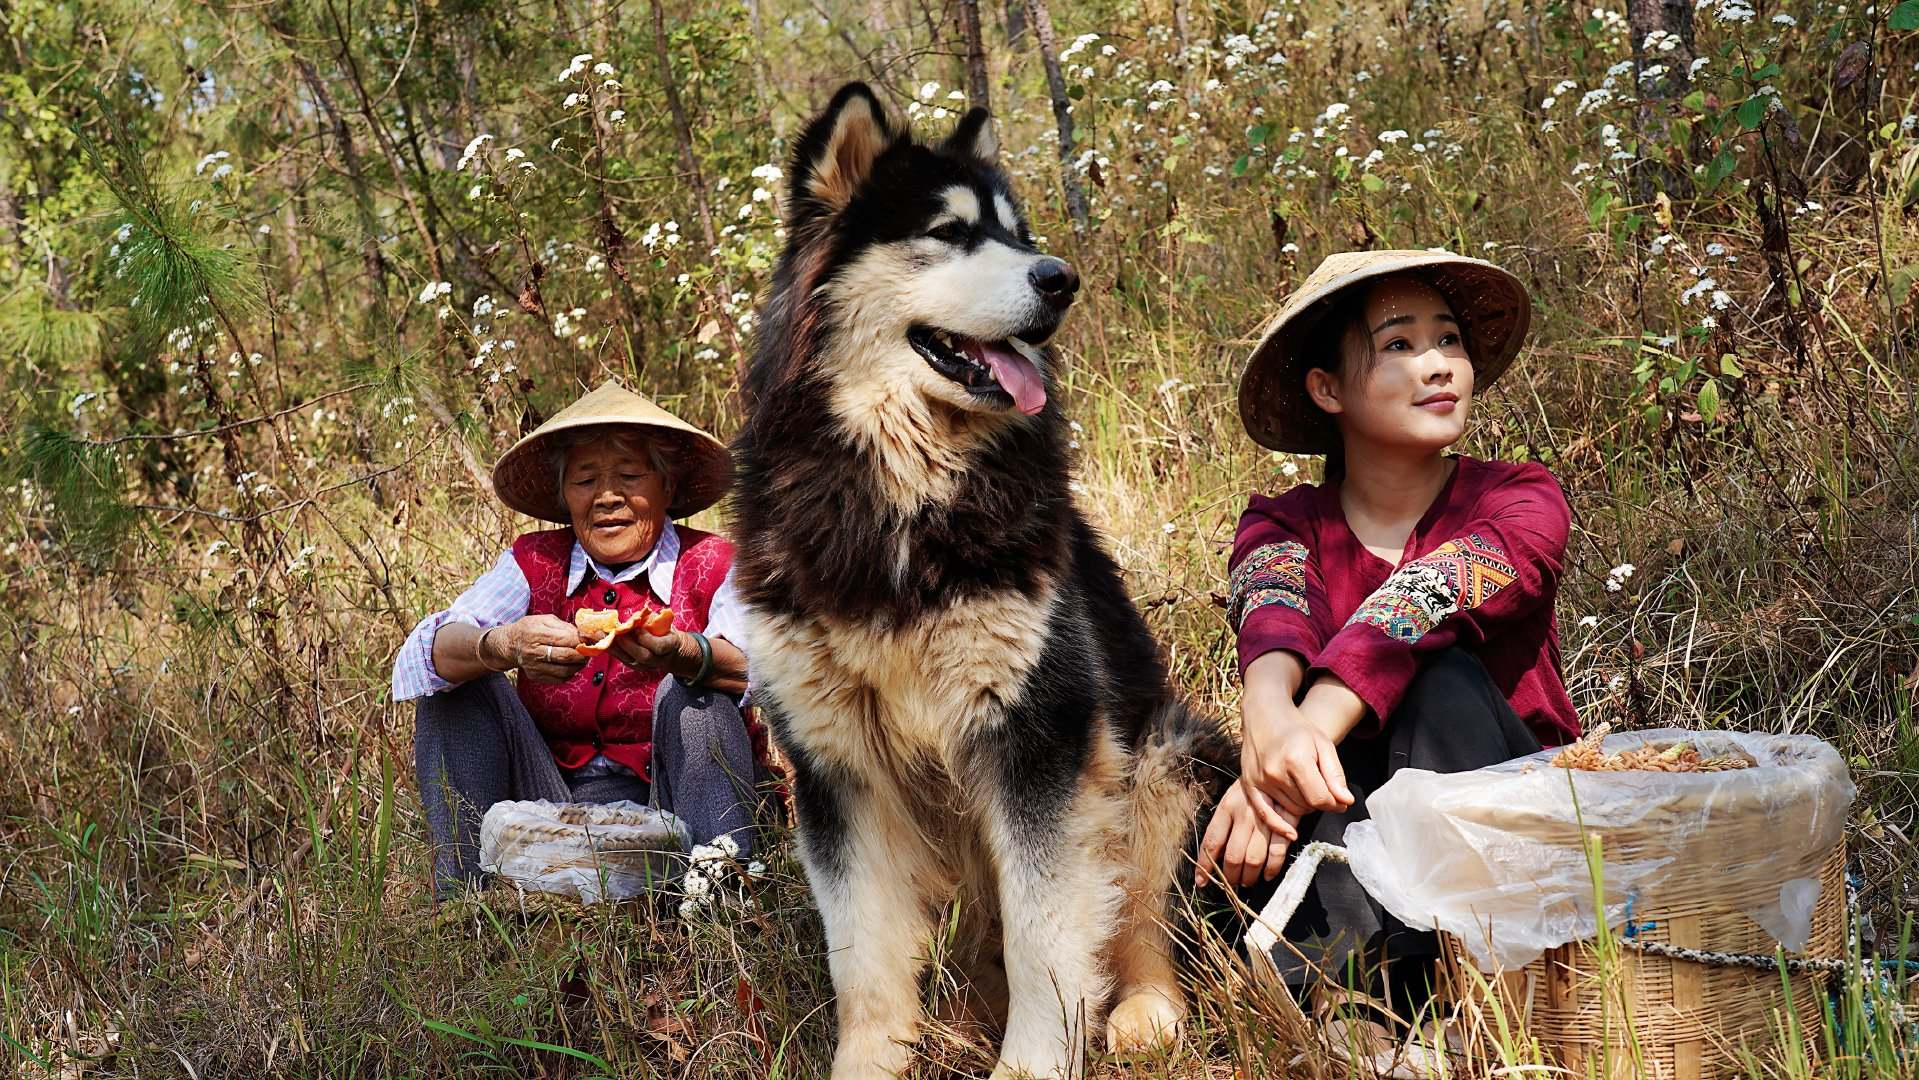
(1458, 574)
(1269, 574)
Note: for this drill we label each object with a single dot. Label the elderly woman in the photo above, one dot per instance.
(654, 719)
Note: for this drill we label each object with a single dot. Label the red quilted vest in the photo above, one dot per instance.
(607, 707)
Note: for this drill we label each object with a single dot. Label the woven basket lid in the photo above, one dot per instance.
(524, 476)
(1491, 304)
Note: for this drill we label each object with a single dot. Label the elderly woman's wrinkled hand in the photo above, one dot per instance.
(543, 647)
(637, 648)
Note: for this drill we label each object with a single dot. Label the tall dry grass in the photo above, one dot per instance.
(213, 862)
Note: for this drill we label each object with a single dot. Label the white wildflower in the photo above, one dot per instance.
(1617, 577)
(575, 67)
(472, 148)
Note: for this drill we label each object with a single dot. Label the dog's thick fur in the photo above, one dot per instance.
(971, 704)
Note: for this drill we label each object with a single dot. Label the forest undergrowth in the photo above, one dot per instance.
(279, 282)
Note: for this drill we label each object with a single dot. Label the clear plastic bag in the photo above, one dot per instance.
(1495, 856)
(589, 851)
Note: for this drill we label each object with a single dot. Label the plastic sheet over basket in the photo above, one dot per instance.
(1494, 856)
(590, 851)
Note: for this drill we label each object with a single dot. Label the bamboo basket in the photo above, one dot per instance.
(1682, 1020)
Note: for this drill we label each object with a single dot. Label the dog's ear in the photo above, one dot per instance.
(974, 136)
(837, 151)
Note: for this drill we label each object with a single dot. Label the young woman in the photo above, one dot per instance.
(1400, 614)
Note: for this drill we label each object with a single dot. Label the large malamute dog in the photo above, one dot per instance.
(972, 706)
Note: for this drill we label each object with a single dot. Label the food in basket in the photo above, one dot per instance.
(605, 624)
(1588, 754)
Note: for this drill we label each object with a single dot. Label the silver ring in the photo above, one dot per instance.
(548, 654)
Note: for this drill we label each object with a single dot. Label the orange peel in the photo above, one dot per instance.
(607, 624)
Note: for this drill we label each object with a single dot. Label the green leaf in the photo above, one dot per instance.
(1899, 286)
(1752, 111)
(1256, 135)
(1729, 367)
(1076, 91)
(1905, 16)
(1696, 101)
(1371, 182)
(1240, 165)
(1602, 200)
(1767, 72)
(1653, 414)
(1721, 167)
(1709, 401)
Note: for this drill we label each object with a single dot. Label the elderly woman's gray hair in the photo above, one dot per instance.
(662, 453)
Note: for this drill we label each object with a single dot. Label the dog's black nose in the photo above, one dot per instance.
(1055, 280)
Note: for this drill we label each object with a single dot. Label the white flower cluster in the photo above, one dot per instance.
(1079, 43)
(658, 235)
(1617, 577)
(472, 149)
(714, 867)
(1729, 11)
(575, 67)
(299, 564)
(215, 159)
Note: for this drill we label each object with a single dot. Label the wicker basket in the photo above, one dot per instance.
(1689, 1020)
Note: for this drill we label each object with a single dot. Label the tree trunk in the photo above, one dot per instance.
(977, 90)
(1182, 25)
(1664, 77)
(1014, 21)
(1042, 20)
(682, 131)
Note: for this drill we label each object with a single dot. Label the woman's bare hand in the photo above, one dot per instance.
(541, 646)
(1238, 849)
(1287, 764)
(651, 652)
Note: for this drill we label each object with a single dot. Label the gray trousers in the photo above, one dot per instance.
(476, 745)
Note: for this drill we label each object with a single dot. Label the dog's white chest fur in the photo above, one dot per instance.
(869, 698)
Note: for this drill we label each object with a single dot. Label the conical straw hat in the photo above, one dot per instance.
(1493, 308)
(526, 477)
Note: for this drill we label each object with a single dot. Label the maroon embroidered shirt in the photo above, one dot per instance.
(1480, 571)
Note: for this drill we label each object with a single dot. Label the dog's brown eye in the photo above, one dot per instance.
(952, 232)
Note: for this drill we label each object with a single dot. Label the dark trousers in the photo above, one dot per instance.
(476, 745)
(1452, 718)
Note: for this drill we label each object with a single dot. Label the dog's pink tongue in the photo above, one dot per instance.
(1014, 373)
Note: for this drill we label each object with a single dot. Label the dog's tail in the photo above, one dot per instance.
(1193, 744)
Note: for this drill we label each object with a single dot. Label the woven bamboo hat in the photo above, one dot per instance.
(1491, 304)
(524, 476)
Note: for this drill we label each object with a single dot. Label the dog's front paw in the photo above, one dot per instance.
(1148, 1020)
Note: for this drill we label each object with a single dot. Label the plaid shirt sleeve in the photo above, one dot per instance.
(499, 597)
(724, 614)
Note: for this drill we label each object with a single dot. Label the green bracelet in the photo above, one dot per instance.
(706, 658)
